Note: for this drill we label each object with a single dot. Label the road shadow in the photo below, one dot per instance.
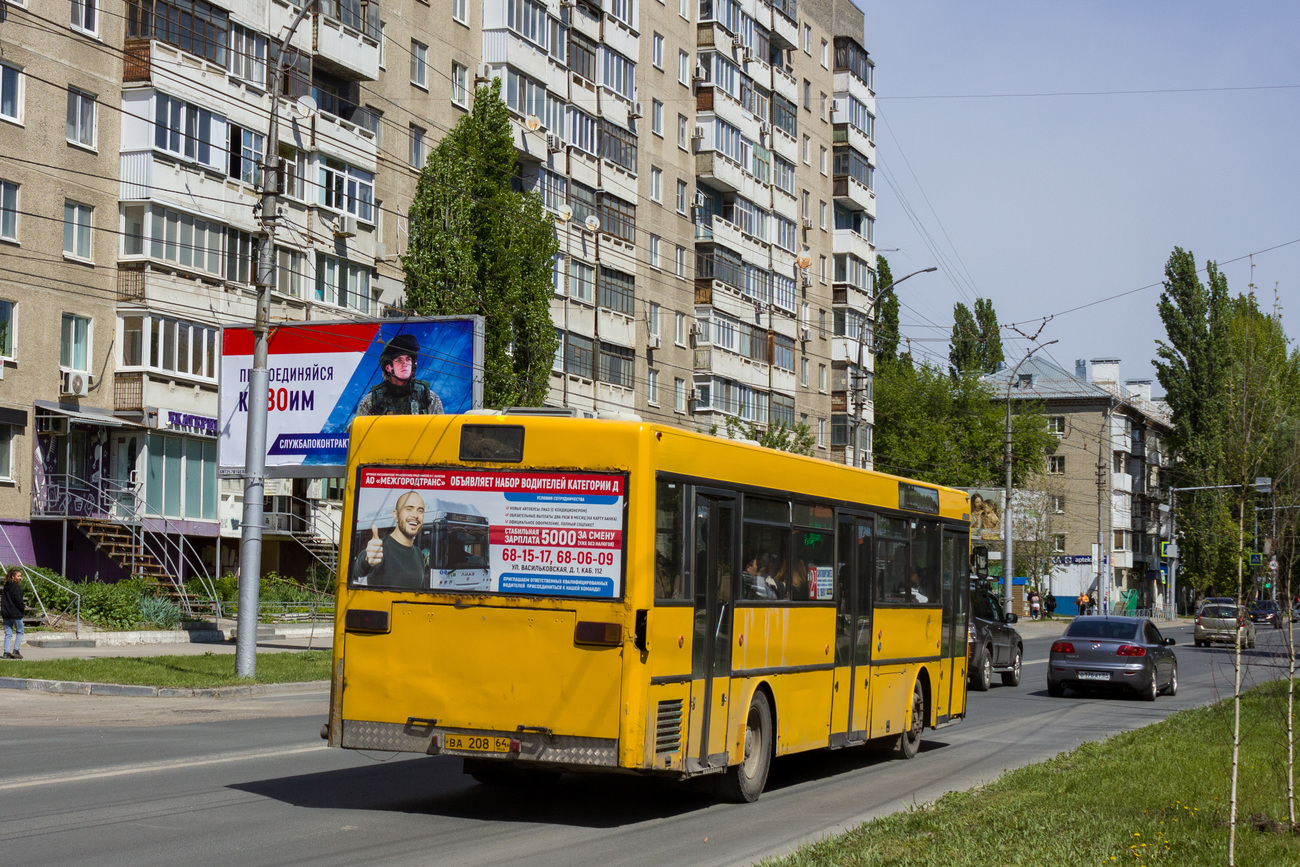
(435, 786)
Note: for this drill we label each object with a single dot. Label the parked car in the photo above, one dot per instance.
(993, 645)
(1223, 623)
(1266, 611)
(1126, 653)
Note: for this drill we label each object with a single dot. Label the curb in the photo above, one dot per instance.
(70, 687)
(180, 636)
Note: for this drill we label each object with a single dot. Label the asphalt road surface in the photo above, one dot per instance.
(109, 781)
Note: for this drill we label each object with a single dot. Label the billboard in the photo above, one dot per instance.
(986, 506)
(323, 374)
(516, 532)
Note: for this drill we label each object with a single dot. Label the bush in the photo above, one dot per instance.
(108, 606)
(159, 612)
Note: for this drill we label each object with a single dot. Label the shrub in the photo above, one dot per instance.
(159, 612)
(108, 606)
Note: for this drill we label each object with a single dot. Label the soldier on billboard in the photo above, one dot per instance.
(400, 393)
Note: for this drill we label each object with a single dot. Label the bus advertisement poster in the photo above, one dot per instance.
(321, 375)
(526, 533)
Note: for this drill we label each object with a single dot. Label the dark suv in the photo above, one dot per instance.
(1266, 611)
(993, 644)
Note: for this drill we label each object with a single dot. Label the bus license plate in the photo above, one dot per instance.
(476, 743)
(1094, 675)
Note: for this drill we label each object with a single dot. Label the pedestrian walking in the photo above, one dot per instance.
(12, 609)
(1049, 605)
(1035, 605)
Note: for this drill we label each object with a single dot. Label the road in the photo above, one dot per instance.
(90, 779)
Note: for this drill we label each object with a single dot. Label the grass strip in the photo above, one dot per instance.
(1155, 796)
(191, 671)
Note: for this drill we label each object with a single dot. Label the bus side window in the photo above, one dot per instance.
(670, 541)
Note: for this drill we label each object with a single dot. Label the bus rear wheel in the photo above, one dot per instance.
(743, 783)
(909, 742)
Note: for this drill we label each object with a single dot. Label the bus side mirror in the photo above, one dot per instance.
(979, 559)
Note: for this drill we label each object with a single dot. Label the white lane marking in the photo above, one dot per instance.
(1025, 662)
(151, 767)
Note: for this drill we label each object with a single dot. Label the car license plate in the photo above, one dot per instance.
(476, 743)
(1094, 675)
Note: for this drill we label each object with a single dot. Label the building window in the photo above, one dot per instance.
(8, 328)
(184, 130)
(619, 73)
(679, 395)
(460, 11)
(807, 39)
(1056, 424)
(1056, 465)
(821, 160)
(181, 480)
(657, 118)
(617, 217)
(1122, 540)
(684, 68)
(657, 51)
(1057, 504)
(8, 211)
(652, 319)
(681, 262)
(11, 102)
(342, 283)
(582, 55)
(419, 146)
(76, 229)
(652, 386)
(245, 148)
(170, 346)
(6, 451)
(679, 329)
(821, 433)
(290, 269)
(460, 85)
(656, 185)
(826, 54)
(681, 197)
(803, 371)
(617, 291)
(348, 189)
(1058, 543)
(617, 365)
(821, 268)
(248, 55)
(173, 237)
(81, 118)
(85, 17)
(579, 356)
(681, 131)
(582, 281)
(807, 95)
(419, 64)
(654, 251)
(74, 344)
(821, 378)
(821, 213)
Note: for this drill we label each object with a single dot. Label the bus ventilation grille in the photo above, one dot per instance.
(668, 726)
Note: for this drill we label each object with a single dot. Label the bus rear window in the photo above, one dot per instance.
(512, 532)
(499, 443)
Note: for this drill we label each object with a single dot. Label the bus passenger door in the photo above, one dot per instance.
(714, 551)
(854, 621)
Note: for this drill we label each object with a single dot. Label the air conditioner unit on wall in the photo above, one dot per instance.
(52, 424)
(696, 329)
(699, 73)
(636, 111)
(554, 143)
(737, 41)
(805, 334)
(748, 56)
(698, 201)
(694, 395)
(345, 226)
(654, 341)
(74, 383)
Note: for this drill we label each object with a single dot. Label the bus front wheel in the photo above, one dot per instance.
(743, 783)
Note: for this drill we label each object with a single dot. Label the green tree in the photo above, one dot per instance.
(478, 247)
(976, 345)
(949, 430)
(1191, 365)
(886, 313)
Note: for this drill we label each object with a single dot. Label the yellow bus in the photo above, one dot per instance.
(546, 594)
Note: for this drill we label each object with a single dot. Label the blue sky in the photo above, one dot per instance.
(1188, 135)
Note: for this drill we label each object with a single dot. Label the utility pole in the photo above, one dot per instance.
(1008, 563)
(250, 552)
(857, 385)
(1102, 496)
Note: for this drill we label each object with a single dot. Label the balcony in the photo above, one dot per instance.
(718, 171)
(849, 241)
(347, 38)
(1121, 482)
(852, 193)
(847, 133)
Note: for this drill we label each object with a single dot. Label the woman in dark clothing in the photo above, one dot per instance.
(12, 609)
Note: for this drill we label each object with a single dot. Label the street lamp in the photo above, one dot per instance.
(857, 388)
(1008, 572)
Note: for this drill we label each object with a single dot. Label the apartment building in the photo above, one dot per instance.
(1105, 478)
(708, 164)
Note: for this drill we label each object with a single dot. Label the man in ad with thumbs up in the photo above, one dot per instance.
(394, 561)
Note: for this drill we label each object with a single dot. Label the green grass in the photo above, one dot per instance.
(195, 672)
(1155, 796)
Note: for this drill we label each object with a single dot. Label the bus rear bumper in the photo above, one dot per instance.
(533, 746)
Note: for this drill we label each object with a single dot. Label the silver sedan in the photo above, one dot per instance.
(1113, 652)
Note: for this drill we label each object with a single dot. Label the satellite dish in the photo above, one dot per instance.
(805, 259)
(593, 222)
(533, 123)
(566, 213)
(305, 106)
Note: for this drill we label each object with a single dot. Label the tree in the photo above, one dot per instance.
(1192, 366)
(478, 247)
(976, 345)
(796, 438)
(886, 314)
